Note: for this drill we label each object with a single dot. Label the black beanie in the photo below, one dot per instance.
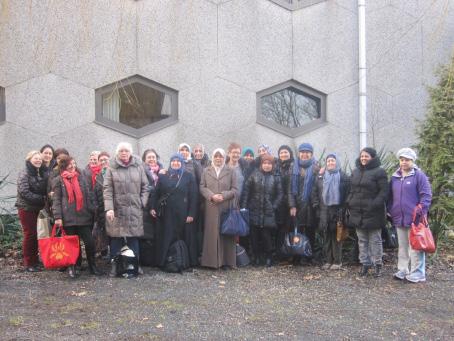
(369, 150)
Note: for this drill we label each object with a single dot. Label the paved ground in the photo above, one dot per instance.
(283, 302)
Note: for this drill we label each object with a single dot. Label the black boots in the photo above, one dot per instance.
(113, 269)
(377, 270)
(92, 266)
(364, 270)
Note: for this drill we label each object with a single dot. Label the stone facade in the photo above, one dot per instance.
(218, 54)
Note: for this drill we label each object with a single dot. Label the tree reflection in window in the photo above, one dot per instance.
(290, 108)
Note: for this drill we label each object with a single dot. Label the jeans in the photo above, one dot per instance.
(30, 242)
(116, 243)
(370, 246)
(409, 261)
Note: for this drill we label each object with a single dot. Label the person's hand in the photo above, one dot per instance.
(58, 222)
(51, 194)
(293, 212)
(153, 213)
(110, 215)
(217, 198)
(162, 171)
(189, 220)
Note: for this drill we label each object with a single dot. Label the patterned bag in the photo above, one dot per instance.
(59, 252)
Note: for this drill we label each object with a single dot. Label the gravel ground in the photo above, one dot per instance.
(282, 302)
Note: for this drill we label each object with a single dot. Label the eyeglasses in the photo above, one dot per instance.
(103, 160)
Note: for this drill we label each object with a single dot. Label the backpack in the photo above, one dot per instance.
(177, 258)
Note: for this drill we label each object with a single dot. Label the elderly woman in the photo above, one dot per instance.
(328, 198)
(31, 197)
(73, 208)
(262, 196)
(200, 156)
(126, 193)
(366, 205)
(409, 191)
(177, 215)
(219, 188)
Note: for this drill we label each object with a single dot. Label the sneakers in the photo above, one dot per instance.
(415, 278)
(400, 275)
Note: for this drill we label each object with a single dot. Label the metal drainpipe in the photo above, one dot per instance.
(362, 74)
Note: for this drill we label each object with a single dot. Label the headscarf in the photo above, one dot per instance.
(266, 147)
(308, 177)
(331, 183)
(176, 172)
(218, 169)
(189, 148)
(71, 182)
(247, 150)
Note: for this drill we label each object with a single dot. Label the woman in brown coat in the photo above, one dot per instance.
(219, 188)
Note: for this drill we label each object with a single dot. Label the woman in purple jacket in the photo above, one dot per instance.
(409, 190)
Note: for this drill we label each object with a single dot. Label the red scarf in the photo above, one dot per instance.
(95, 170)
(71, 181)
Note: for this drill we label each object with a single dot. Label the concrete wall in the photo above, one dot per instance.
(218, 54)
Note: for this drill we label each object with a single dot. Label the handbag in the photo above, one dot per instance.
(162, 201)
(233, 223)
(296, 244)
(43, 224)
(421, 238)
(341, 231)
(59, 252)
(242, 258)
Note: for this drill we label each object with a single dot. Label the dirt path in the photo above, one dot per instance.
(253, 303)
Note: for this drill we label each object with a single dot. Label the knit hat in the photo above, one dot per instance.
(305, 147)
(331, 155)
(407, 153)
(247, 150)
(369, 150)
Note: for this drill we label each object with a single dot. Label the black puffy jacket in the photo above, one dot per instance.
(368, 194)
(262, 194)
(284, 172)
(31, 188)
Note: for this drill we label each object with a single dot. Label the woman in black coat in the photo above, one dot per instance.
(328, 198)
(262, 195)
(99, 233)
(175, 219)
(366, 205)
(31, 198)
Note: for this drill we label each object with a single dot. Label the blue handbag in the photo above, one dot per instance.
(233, 222)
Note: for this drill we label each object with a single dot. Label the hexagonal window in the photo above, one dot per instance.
(296, 4)
(2, 105)
(291, 108)
(136, 106)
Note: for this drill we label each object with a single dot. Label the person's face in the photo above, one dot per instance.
(331, 163)
(262, 151)
(184, 151)
(248, 157)
(284, 154)
(72, 166)
(36, 160)
(364, 158)
(218, 160)
(93, 160)
(104, 161)
(198, 153)
(235, 154)
(151, 159)
(60, 156)
(305, 155)
(405, 164)
(267, 166)
(47, 155)
(175, 164)
(124, 155)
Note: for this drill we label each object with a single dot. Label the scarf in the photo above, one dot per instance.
(331, 186)
(218, 169)
(71, 181)
(95, 170)
(176, 172)
(308, 177)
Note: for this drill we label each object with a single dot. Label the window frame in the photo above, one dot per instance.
(305, 90)
(124, 128)
(296, 4)
(2, 105)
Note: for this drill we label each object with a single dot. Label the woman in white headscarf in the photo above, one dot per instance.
(219, 188)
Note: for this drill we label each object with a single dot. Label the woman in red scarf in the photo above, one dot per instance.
(93, 169)
(73, 209)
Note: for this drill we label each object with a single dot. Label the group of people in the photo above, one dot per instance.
(122, 200)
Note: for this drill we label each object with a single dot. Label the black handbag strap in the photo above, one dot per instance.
(168, 194)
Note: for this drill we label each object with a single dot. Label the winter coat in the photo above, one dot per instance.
(405, 193)
(284, 172)
(31, 188)
(195, 169)
(125, 192)
(262, 196)
(62, 209)
(368, 193)
(218, 250)
(329, 215)
(99, 201)
(181, 203)
(204, 162)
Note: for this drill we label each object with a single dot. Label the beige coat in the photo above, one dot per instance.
(218, 250)
(125, 192)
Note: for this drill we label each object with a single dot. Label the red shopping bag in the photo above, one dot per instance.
(421, 238)
(59, 252)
